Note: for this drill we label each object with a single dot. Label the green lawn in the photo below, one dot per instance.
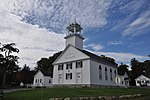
(46, 93)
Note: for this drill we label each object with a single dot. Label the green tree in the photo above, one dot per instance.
(8, 62)
(146, 67)
(44, 64)
(25, 75)
(47, 63)
(108, 58)
(122, 69)
(137, 68)
(25, 68)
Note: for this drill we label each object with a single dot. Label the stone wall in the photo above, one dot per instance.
(122, 97)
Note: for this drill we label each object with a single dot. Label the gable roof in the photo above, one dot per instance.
(63, 52)
(45, 72)
(98, 58)
(143, 75)
(91, 55)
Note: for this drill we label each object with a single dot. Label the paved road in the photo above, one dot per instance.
(17, 89)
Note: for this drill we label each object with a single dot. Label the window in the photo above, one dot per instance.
(148, 81)
(69, 66)
(100, 72)
(60, 78)
(60, 67)
(79, 64)
(40, 80)
(35, 80)
(115, 73)
(49, 80)
(68, 76)
(106, 77)
(111, 75)
(138, 81)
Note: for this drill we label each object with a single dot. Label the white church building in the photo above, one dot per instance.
(76, 66)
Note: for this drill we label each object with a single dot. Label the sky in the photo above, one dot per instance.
(116, 28)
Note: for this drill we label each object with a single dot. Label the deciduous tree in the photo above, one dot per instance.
(47, 63)
(8, 61)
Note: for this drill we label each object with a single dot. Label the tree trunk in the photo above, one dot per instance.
(4, 78)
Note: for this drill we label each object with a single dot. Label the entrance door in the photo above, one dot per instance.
(60, 78)
(78, 77)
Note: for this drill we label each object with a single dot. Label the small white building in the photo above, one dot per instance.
(42, 79)
(76, 66)
(142, 81)
(124, 79)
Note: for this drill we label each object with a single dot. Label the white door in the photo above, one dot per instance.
(78, 78)
(60, 78)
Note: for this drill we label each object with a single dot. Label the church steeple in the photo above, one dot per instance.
(74, 28)
(74, 36)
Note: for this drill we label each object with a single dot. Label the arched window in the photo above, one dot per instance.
(106, 76)
(111, 75)
(115, 73)
(100, 72)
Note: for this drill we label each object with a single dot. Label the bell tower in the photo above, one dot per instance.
(74, 36)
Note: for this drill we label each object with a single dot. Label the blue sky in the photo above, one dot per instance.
(115, 28)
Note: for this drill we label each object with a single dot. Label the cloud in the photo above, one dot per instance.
(95, 47)
(35, 25)
(136, 18)
(132, 6)
(32, 41)
(122, 57)
(55, 15)
(115, 43)
(32, 24)
(139, 25)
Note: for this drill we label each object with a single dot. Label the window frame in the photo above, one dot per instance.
(111, 77)
(60, 66)
(35, 80)
(115, 73)
(79, 64)
(49, 80)
(106, 76)
(68, 76)
(100, 72)
(40, 80)
(69, 66)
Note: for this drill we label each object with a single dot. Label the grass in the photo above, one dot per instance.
(46, 93)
